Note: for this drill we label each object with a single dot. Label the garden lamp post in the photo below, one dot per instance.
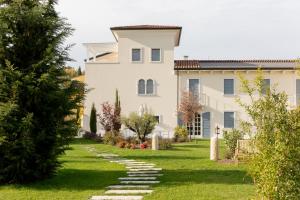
(214, 145)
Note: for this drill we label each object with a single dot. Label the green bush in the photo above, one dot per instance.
(276, 163)
(230, 138)
(165, 143)
(180, 134)
(112, 138)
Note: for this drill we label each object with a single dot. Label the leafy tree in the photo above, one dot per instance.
(93, 119)
(276, 163)
(36, 95)
(189, 107)
(117, 113)
(142, 125)
(107, 116)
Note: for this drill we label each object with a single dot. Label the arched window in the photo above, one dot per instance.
(141, 86)
(150, 86)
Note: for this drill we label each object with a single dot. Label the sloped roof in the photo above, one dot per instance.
(234, 64)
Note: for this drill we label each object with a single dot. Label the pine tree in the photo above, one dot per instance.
(93, 119)
(38, 101)
(79, 72)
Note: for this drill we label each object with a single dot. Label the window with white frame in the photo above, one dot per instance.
(228, 119)
(136, 55)
(228, 86)
(145, 87)
(155, 55)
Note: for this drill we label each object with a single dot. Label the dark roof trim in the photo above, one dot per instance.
(98, 56)
(145, 27)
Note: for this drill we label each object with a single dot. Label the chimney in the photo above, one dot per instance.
(185, 57)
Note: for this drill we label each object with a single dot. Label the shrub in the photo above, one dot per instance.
(231, 137)
(121, 144)
(89, 135)
(180, 134)
(165, 143)
(128, 145)
(93, 120)
(112, 138)
(141, 125)
(144, 145)
(276, 163)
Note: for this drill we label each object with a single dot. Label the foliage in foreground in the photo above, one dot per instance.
(37, 97)
(142, 124)
(275, 167)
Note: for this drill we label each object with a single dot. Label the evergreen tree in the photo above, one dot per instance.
(117, 113)
(38, 101)
(79, 72)
(93, 119)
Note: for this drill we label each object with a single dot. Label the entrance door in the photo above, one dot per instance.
(195, 128)
(206, 124)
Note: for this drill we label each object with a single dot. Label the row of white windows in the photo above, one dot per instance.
(136, 55)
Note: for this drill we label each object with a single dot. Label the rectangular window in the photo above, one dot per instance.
(157, 118)
(136, 55)
(265, 86)
(228, 119)
(194, 87)
(228, 86)
(155, 55)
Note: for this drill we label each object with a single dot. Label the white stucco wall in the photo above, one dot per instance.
(215, 102)
(104, 78)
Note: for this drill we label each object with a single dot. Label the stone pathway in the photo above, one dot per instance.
(140, 177)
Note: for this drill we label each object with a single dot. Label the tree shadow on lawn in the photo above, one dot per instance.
(76, 179)
(206, 176)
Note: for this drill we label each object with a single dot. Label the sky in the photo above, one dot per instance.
(211, 29)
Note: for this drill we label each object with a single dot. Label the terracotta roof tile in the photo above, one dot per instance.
(233, 64)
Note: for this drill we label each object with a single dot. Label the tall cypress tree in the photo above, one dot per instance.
(117, 113)
(36, 96)
(93, 119)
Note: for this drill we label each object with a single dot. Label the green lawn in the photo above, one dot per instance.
(188, 174)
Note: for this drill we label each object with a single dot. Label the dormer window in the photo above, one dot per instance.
(155, 55)
(136, 55)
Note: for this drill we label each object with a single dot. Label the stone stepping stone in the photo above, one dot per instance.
(128, 191)
(137, 178)
(145, 169)
(140, 166)
(117, 198)
(129, 187)
(142, 172)
(139, 182)
(145, 174)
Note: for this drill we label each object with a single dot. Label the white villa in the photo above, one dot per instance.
(141, 65)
